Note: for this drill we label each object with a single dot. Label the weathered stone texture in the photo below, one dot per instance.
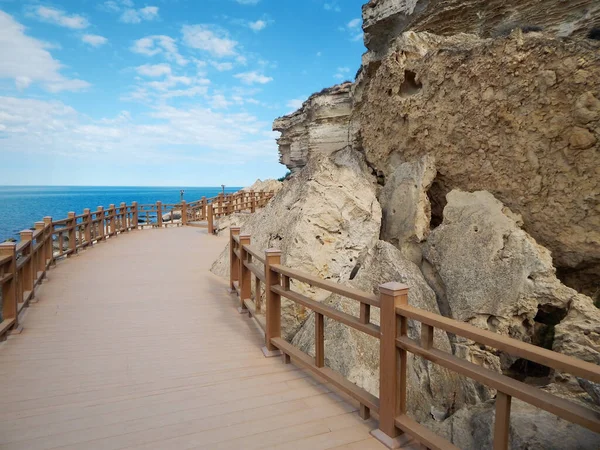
(319, 126)
(324, 219)
(517, 116)
(386, 19)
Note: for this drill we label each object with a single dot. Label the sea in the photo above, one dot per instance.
(22, 206)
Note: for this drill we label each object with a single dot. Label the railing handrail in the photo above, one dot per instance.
(23, 265)
(395, 344)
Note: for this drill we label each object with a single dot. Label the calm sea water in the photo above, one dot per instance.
(21, 206)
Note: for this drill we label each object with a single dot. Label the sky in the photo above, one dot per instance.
(162, 92)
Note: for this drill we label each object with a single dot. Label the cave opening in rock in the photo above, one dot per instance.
(545, 321)
(584, 279)
(437, 198)
(410, 85)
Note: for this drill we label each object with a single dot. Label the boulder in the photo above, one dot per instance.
(472, 428)
(386, 19)
(406, 207)
(492, 274)
(319, 126)
(432, 389)
(323, 220)
(174, 215)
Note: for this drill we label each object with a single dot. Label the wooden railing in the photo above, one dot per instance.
(23, 266)
(247, 263)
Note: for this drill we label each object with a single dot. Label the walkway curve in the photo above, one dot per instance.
(135, 344)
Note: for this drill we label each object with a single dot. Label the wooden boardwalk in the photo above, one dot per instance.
(135, 344)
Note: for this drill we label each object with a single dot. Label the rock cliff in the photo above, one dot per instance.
(384, 20)
(319, 126)
(469, 170)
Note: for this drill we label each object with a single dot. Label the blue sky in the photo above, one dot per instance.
(162, 92)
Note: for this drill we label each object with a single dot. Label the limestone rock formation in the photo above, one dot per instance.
(517, 116)
(265, 186)
(495, 276)
(406, 207)
(320, 126)
(386, 19)
(323, 220)
(472, 428)
(356, 355)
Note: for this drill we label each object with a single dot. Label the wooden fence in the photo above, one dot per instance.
(23, 266)
(265, 268)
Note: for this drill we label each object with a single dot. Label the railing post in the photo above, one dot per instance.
(72, 234)
(244, 274)
(123, 210)
(40, 258)
(159, 220)
(184, 217)
(273, 303)
(502, 425)
(27, 280)
(48, 242)
(203, 215)
(112, 212)
(87, 231)
(392, 364)
(101, 228)
(210, 218)
(252, 202)
(234, 265)
(9, 288)
(134, 219)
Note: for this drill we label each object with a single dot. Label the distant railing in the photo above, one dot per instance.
(247, 263)
(23, 266)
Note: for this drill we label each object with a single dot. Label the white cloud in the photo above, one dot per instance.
(219, 101)
(159, 44)
(333, 6)
(154, 70)
(26, 60)
(210, 39)
(53, 128)
(94, 40)
(354, 23)
(258, 25)
(138, 15)
(295, 104)
(222, 67)
(342, 72)
(253, 78)
(59, 17)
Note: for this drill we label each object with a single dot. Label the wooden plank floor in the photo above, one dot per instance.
(135, 344)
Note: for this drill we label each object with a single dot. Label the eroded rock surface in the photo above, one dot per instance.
(406, 207)
(472, 428)
(323, 220)
(319, 127)
(495, 276)
(516, 116)
(265, 186)
(386, 19)
(356, 355)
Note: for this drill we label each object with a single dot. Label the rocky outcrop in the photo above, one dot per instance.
(516, 116)
(265, 186)
(493, 275)
(324, 220)
(432, 389)
(530, 428)
(319, 126)
(384, 20)
(406, 207)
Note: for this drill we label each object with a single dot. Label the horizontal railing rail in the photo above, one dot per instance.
(24, 265)
(247, 264)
